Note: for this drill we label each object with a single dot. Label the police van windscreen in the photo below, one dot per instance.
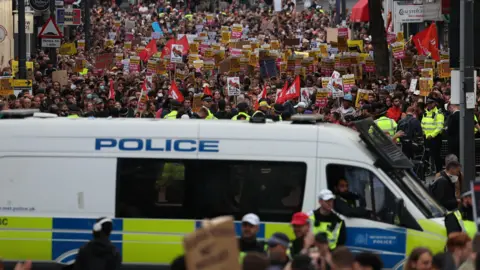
(197, 189)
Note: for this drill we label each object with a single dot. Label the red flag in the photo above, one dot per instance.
(426, 42)
(149, 51)
(111, 94)
(184, 42)
(294, 89)
(263, 94)
(281, 96)
(175, 93)
(168, 48)
(207, 91)
(144, 86)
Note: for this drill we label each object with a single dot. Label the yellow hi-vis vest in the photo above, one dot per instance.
(323, 227)
(171, 115)
(387, 125)
(475, 130)
(210, 115)
(432, 123)
(241, 114)
(467, 226)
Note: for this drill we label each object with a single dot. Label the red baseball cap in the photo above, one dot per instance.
(299, 218)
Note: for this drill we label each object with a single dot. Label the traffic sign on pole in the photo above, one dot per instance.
(60, 16)
(50, 30)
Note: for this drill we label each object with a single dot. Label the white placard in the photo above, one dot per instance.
(51, 43)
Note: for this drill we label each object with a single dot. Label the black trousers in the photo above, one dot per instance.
(435, 146)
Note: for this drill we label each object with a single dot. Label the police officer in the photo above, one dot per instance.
(348, 203)
(276, 115)
(325, 220)
(387, 125)
(207, 104)
(248, 240)
(99, 253)
(454, 222)
(466, 208)
(432, 125)
(242, 112)
(263, 108)
(174, 107)
(278, 246)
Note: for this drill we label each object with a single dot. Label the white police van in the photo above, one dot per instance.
(159, 178)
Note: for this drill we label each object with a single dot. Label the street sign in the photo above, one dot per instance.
(28, 22)
(39, 5)
(68, 16)
(77, 16)
(50, 30)
(51, 43)
(60, 16)
(59, 3)
(22, 83)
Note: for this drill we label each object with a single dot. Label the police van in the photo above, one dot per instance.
(158, 179)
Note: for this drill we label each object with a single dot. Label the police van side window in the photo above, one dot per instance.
(365, 190)
(196, 189)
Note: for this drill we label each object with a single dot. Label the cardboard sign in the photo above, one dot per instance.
(104, 61)
(60, 76)
(213, 247)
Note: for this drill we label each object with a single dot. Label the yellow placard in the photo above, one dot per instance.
(6, 86)
(68, 49)
(426, 85)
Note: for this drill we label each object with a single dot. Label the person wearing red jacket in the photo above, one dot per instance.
(395, 112)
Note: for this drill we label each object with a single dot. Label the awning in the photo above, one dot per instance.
(360, 12)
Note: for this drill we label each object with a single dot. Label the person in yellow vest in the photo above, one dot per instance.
(248, 241)
(242, 112)
(174, 106)
(263, 108)
(277, 111)
(207, 104)
(325, 220)
(387, 125)
(432, 125)
(454, 222)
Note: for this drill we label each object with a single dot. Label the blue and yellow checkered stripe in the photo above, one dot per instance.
(139, 240)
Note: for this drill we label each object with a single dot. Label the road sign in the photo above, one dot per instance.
(51, 43)
(59, 3)
(50, 30)
(68, 16)
(39, 5)
(77, 16)
(6, 87)
(60, 16)
(22, 83)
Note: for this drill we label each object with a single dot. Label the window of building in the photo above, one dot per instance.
(196, 189)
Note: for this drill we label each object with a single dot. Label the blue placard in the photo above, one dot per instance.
(156, 27)
(60, 18)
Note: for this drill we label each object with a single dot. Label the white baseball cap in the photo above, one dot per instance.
(301, 105)
(251, 219)
(326, 195)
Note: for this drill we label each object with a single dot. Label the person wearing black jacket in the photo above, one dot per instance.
(348, 203)
(248, 240)
(443, 189)
(99, 253)
(453, 130)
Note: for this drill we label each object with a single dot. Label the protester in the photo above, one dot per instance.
(99, 253)
(420, 259)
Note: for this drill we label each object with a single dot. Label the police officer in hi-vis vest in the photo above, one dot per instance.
(325, 220)
(432, 126)
(174, 106)
(207, 104)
